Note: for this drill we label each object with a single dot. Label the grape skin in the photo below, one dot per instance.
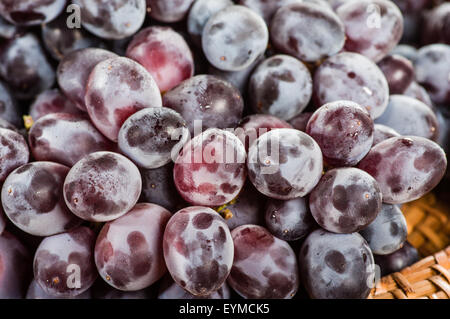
(128, 251)
(405, 167)
(298, 29)
(8, 110)
(436, 25)
(281, 86)
(32, 199)
(210, 170)
(266, 9)
(14, 152)
(293, 167)
(382, 133)
(353, 77)
(336, 266)
(102, 186)
(417, 92)
(264, 266)
(171, 290)
(301, 121)
(65, 138)
(398, 260)
(7, 30)
(116, 89)
(234, 38)
(36, 292)
(31, 12)
(198, 250)
(52, 101)
(399, 72)
(57, 253)
(168, 10)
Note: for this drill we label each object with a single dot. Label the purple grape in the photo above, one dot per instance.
(387, 232)
(301, 121)
(36, 292)
(281, 86)
(65, 138)
(437, 25)
(24, 65)
(409, 116)
(307, 31)
(266, 8)
(210, 170)
(171, 290)
(399, 73)
(102, 186)
(14, 152)
(199, 14)
(151, 136)
(398, 260)
(289, 220)
(406, 51)
(116, 89)
(432, 71)
(198, 250)
(412, 11)
(405, 167)
(344, 132)
(32, 199)
(372, 27)
(206, 98)
(74, 69)
(253, 126)
(164, 54)
(8, 108)
(15, 265)
(112, 19)
(64, 264)
(52, 101)
(293, 167)
(352, 77)
(336, 266)
(168, 10)
(264, 266)
(234, 38)
(417, 92)
(382, 133)
(31, 12)
(129, 252)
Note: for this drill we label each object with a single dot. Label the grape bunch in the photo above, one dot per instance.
(216, 149)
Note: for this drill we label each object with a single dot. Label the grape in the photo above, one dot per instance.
(102, 186)
(432, 71)
(289, 168)
(52, 101)
(199, 14)
(7, 30)
(32, 199)
(128, 252)
(165, 55)
(412, 11)
(234, 38)
(289, 220)
(336, 266)
(31, 12)
(60, 40)
(352, 77)
(24, 65)
(65, 138)
(280, 86)
(74, 69)
(264, 266)
(13, 152)
(101, 290)
(382, 133)
(2, 220)
(36, 292)
(150, 136)
(437, 25)
(169, 10)
(266, 8)
(15, 267)
(253, 126)
(398, 260)
(346, 200)
(116, 89)
(387, 232)
(344, 132)
(198, 250)
(307, 31)
(210, 170)
(159, 188)
(417, 92)
(245, 209)
(8, 107)
(112, 19)
(171, 290)
(372, 27)
(208, 100)
(406, 51)
(9, 126)
(405, 167)
(399, 72)
(409, 116)
(64, 262)
(301, 121)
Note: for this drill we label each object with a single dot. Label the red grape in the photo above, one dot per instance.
(52, 101)
(14, 152)
(399, 73)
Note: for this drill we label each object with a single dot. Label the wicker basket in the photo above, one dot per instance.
(426, 279)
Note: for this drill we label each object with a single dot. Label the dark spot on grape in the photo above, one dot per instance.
(394, 230)
(340, 198)
(202, 221)
(336, 261)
